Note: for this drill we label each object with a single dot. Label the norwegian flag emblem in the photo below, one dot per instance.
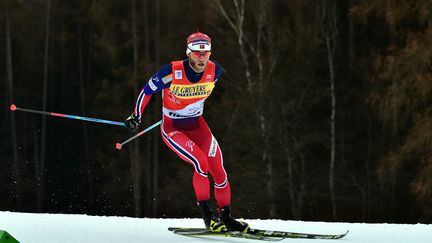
(201, 46)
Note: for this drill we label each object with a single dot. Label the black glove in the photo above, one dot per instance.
(132, 123)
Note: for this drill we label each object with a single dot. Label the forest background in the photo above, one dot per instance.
(323, 110)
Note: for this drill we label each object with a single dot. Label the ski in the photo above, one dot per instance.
(257, 234)
(197, 232)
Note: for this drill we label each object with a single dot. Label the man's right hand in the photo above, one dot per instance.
(132, 123)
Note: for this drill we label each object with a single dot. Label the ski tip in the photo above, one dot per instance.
(343, 235)
(13, 107)
(118, 146)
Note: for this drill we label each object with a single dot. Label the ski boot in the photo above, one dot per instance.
(216, 225)
(230, 223)
(211, 222)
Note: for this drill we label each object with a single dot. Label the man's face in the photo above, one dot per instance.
(198, 60)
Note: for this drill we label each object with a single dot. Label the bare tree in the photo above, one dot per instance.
(40, 171)
(292, 144)
(156, 133)
(90, 175)
(10, 84)
(328, 27)
(257, 71)
(136, 166)
(148, 149)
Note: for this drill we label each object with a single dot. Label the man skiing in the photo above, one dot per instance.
(185, 85)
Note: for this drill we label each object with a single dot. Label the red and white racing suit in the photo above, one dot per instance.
(185, 131)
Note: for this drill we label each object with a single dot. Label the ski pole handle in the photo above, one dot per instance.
(83, 118)
(119, 145)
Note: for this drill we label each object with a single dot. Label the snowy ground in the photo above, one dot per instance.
(60, 228)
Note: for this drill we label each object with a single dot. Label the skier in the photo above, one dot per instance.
(185, 85)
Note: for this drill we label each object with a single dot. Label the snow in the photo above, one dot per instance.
(62, 228)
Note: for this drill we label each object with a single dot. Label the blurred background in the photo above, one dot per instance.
(323, 110)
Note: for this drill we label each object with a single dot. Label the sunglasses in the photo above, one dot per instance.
(199, 54)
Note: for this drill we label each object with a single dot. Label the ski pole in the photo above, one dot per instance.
(119, 145)
(15, 108)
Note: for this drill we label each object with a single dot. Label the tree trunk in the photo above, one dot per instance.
(333, 127)
(136, 166)
(41, 167)
(148, 154)
(90, 175)
(329, 32)
(9, 76)
(156, 133)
